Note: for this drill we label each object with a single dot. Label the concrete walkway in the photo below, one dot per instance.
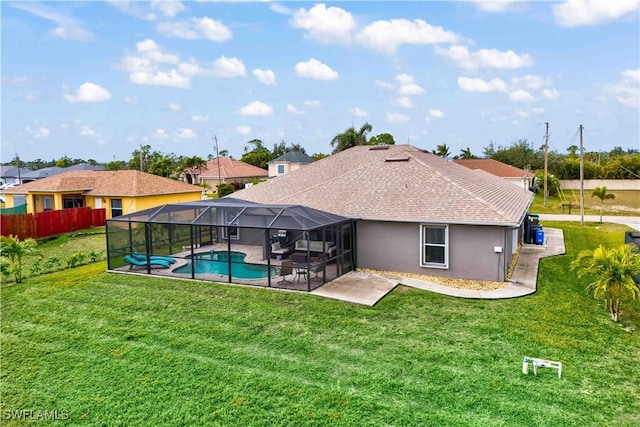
(368, 289)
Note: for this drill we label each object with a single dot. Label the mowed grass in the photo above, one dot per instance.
(626, 203)
(114, 349)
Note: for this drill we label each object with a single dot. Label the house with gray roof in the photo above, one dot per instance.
(288, 162)
(12, 174)
(412, 211)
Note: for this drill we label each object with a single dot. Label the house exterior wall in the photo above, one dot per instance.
(395, 246)
(35, 201)
(288, 167)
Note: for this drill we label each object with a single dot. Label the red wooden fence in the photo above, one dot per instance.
(51, 223)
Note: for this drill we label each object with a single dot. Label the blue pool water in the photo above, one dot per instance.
(218, 263)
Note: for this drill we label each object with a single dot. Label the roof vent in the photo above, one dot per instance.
(378, 147)
(399, 158)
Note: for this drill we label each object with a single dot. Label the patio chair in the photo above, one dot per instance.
(138, 263)
(286, 268)
(143, 257)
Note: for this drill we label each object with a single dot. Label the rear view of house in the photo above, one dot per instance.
(413, 211)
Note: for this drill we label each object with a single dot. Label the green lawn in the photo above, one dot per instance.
(112, 349)
(626, 203)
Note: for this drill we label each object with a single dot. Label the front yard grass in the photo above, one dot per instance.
(112, 349)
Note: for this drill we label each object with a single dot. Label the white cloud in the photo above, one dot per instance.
(196, 28)
(160, 134)
(478, 85)
(531, 81)
(550, 93)
(404, 101)
(149, 67)
(412, 89)
(498, 6)
(522, 114)
(243, 130)
(314, 69)
(521, 96)
(538, 110)
(256, 108)
(573, 13)
(484, 58)
(325, 24)
(200, 119)
(88, 92)
(387, 36)
(396, 118)
(185, 133)
(38, 133)
(405, 79)
(87, 131)
(627, 90)
(67, 27)
(384, 85)
(436, 114)
(310, 103)
(357, 112)
(133, 9)
(280, 8)
(174, 106)
(168, 8)
(266, 77)
(294, 110)
(131, 100)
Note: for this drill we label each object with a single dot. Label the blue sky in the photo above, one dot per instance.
(95, 80)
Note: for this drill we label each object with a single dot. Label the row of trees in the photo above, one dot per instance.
(616, 164)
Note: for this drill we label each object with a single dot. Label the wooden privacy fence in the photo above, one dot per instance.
(51, 223)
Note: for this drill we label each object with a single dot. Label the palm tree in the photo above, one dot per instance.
(351, 138)
(601, 193)
(613, 270)
(15, 250)
(442, 150)
(466, 154)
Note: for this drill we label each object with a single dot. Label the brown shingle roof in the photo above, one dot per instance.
(231, 168)
(128, 183)
(399, 183)
(495, 167)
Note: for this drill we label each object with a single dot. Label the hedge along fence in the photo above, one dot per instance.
(51, 223)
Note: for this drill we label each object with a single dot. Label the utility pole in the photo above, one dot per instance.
(581, 180)
(18, 161)
(215, 140)
(141, 159)
(546, 162)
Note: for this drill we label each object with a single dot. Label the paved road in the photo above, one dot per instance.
(631, 221)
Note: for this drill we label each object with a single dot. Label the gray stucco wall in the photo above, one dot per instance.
(394, 246)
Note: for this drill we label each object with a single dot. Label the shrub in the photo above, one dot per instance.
(52, 263)
(76, 259)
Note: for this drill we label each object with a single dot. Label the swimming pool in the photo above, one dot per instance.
(218, 263)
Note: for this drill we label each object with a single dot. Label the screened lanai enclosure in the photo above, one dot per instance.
(234, 241)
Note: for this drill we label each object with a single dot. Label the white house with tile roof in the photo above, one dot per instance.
(413, 211)
(288, 162)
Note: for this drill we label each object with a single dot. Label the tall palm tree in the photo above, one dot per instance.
(613, 271)
(466, 154)
(15, 250)
(351, 138)
(442, 150)
(602, 194)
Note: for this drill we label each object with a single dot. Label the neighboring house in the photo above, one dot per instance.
(120, 192)
(41, 173)
(225, 170)
(288, 162)
(507, 172)
(83, 167)
(12, 175)
(413, 211)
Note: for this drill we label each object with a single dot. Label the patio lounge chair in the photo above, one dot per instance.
(286, 268)
(143, 263)
(143, 257)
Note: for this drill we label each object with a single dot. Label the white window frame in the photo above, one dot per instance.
(47, 203)
(423, 243)
(278, 168)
